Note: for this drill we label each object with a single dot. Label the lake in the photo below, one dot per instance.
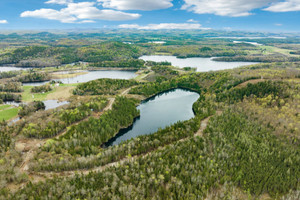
(8, 68)
(241, 42)
(158, 112)
(202, 64)
(92, 75)
(51, 104)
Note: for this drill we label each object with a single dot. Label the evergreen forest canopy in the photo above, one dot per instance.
(242, 143)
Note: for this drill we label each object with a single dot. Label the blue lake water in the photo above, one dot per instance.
(158, 112)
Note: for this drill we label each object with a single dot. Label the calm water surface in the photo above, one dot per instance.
(8, 68)
(202, 64)
(51, 104)
(158, 112)
(92, 75)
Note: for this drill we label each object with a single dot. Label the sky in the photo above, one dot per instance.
(248, 15)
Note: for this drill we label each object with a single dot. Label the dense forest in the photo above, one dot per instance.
(9, 97)
(132, 63)
(103, 86)
(41, 89)
(9, 74)
(27, 109)
(241, 143)
(58, 120)
(259, 58)
(11, 87)
(45, 56)
(34, 77)
(86, 137)
(216, 155)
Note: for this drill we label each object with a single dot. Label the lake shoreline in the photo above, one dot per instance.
(125, 130)
(201, 64)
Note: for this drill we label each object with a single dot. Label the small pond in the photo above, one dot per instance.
(158, 112)
(51, 104)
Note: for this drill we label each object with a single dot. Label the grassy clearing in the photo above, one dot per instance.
(27, 96)
(63, 92)
(8, 114)
(271, 50)
(141, 76)
(69, 85)
(267, 50)
(3, 107)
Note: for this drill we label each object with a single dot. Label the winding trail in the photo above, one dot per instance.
(30, 146)
(252, 81)
(72, 173)
(33, 145)
(204, 124)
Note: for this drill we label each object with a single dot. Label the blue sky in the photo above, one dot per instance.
(253, 15)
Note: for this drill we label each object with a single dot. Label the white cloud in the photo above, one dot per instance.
(131, 26)
(163, 26)
(86, 21)
(82, 12)
(192, 21)
(286, 6)
(50, 14)
(3, 21)
(61, 2)
(233, 8)
(278, 24)
(239, 8)
(136, 4)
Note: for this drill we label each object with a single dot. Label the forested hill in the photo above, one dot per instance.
(43, 56)
(241, 141)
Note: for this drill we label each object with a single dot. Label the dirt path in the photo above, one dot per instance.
(30, 146)
(252, 81)
(35, 177)
(204, 124)
(112, 100)
(127, 90)
(109, 105)
(120, 162)
(202, 127)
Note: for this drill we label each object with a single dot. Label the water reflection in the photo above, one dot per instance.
(201, 64)
(158, 112)
(90, 76)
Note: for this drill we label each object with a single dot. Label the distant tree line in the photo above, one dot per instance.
(103, 86)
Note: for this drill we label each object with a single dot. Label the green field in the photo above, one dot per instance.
(271, 49)
(63, 91)
(2, 107)
(268, 50)
(7, 113)
(27, 96)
